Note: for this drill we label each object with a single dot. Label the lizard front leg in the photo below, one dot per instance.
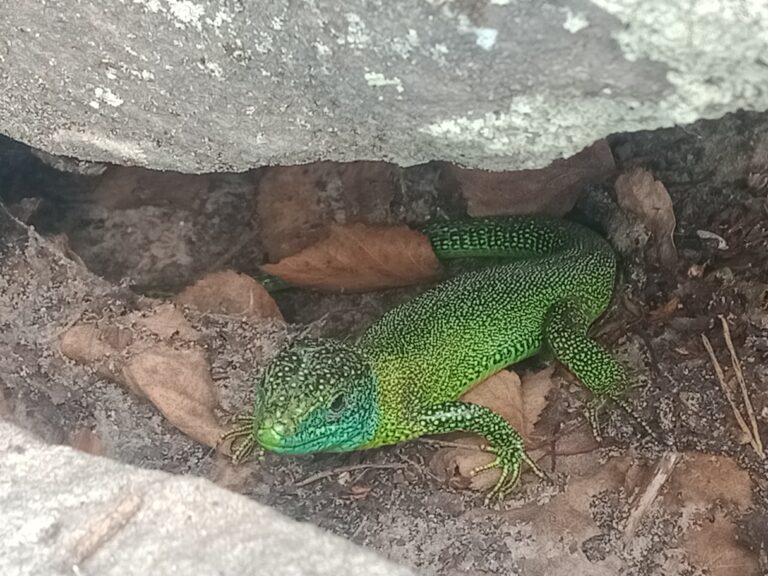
(503, 440)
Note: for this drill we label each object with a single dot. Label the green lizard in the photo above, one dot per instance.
(404, 376)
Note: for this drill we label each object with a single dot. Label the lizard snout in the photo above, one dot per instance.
(271, 433)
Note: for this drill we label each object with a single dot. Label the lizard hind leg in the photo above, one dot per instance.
(565, 333)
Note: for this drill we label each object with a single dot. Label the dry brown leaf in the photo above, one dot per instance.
(98, 347)
(103, 345)
(569, 516)
(229, 292)
(702, 480)
(166, 321)
(502, 393)
(536, 388)
(638, 192)
(86, 344)
(358, 258)
(179, 384)
(552, 190)
(88, 441)
(711, 489)
(665, 311)
(229, 475)
(296, 203)
(519, 402)
(697, 487)
(714, 547)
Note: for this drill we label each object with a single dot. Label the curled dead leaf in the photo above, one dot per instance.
(454, 465)
(358, 258)
(85, 343)
(665, 311)
(552, 190)
(91, 345)
(179, 384)
(229, 292)
(708, 492)
(519, 402)
(228, 475)
(536, 387)
(639, 193)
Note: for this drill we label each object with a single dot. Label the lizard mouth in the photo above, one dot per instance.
(273, 441)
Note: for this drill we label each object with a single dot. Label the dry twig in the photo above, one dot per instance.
(342, 469)
(756, 444)
(104, 528)
(643, 504)
(743, 385)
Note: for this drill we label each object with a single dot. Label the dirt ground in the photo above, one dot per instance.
(121, 243)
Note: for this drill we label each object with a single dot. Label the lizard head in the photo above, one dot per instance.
(316, 396)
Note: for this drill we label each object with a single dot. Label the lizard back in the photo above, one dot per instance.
(436, 346)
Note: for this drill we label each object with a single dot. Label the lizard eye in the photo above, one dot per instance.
(337, 404)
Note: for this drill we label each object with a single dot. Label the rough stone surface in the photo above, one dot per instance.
(226, 85)
(65, 512)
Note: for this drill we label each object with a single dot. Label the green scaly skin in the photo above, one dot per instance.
(403, 378)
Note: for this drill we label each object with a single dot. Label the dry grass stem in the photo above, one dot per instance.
(743, 385)
(643, 504)
(340, 470)
(729, 396)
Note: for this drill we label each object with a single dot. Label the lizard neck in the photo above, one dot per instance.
(392, 422)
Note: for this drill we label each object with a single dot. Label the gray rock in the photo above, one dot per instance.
(204, 85)
(65, 512)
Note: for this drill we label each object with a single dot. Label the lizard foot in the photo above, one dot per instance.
(508, 461)
(243, 441)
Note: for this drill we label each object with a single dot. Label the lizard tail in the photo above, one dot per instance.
(641, 422)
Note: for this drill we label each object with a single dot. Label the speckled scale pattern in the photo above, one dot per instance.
(433, 348)
(545, 282)
(295, 397)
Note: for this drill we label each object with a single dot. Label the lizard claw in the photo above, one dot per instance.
(510, 477)
(509, 463)
(243, 440)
